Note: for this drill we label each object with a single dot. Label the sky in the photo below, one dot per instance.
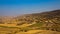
(19, 7)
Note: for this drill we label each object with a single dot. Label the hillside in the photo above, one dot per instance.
(45, 21)
(48, 20)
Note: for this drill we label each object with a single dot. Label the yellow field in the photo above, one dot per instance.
(39, 32)
(13, 29)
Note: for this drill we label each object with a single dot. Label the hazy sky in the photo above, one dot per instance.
(17, 7)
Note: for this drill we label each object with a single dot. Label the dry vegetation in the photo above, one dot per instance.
(38, 23)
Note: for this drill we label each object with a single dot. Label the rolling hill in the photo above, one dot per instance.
(32, 23)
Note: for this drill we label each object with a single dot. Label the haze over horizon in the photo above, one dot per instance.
(19, 7)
